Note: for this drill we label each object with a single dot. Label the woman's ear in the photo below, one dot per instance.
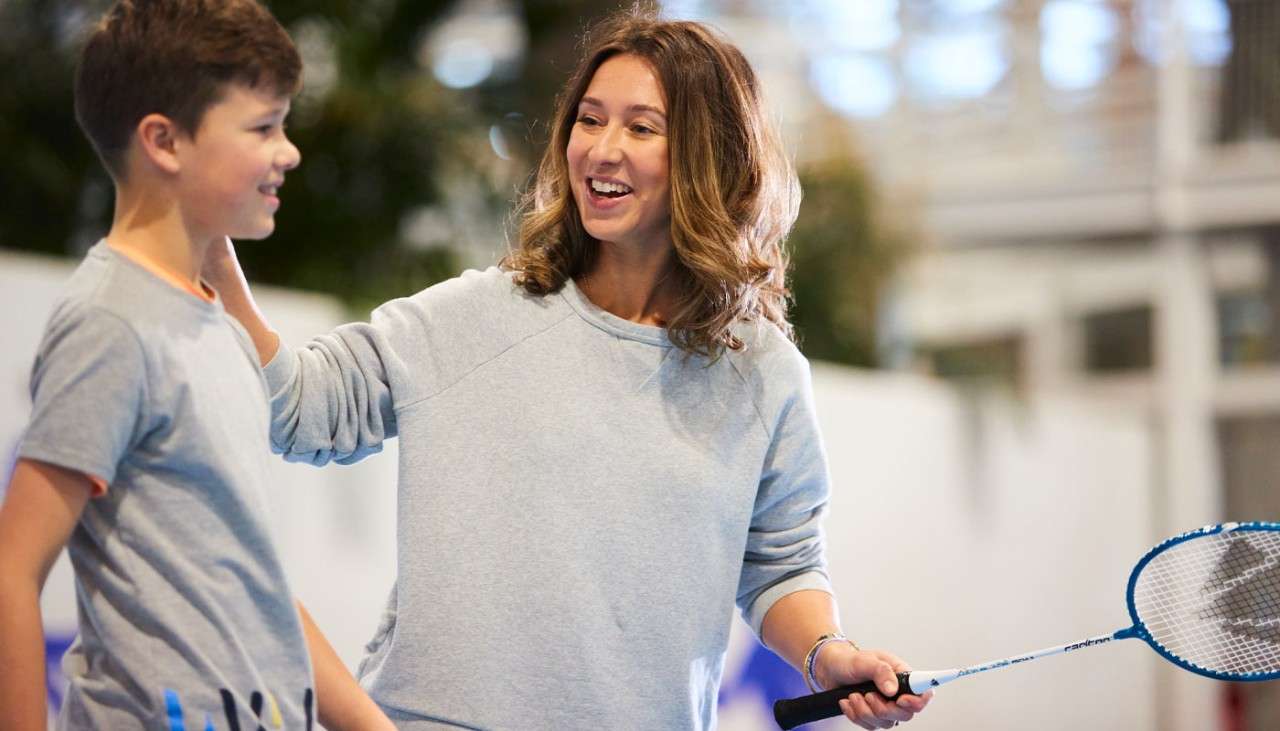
(158, 140)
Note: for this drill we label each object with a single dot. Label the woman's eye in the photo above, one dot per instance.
(642, 129)
(591, 121)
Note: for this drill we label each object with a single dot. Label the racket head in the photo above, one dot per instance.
(1209, 600)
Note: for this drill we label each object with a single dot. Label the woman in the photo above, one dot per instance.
(608, 441)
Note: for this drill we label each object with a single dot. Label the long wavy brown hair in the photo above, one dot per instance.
(734, 192)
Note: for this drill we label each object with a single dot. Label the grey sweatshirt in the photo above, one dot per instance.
(580, 503)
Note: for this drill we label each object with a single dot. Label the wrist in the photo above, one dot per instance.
(826, 652)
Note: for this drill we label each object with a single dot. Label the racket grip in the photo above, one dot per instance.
(792, 712)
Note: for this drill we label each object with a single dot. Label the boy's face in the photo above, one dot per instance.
(233, 167)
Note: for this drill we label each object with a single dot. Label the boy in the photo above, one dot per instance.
(147, 398)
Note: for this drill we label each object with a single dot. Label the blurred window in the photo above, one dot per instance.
(865, 25)
(996, 360)
(1206, 24)
(686, 9)
(863, 53)
(1118, 341)
(1077, 47)
(1244, 329)
(963, 62)
(1249, 104)
(859, 85)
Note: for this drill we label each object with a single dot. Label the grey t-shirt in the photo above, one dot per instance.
(184, 611)
(580, 504)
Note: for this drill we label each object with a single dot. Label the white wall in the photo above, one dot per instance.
(965, 531)
(960, 531)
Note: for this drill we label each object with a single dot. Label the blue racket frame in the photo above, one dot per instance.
(1139, 629)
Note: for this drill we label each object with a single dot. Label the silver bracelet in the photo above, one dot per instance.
(811, 658)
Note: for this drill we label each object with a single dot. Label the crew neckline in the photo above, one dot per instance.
(609, 322)
(208, 300)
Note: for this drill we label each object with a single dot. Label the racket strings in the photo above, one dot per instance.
(1214, 601)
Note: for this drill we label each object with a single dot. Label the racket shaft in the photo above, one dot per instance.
(806, 709)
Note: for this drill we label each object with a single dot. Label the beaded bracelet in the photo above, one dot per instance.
(812, 657)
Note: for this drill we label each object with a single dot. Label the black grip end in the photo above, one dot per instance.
(792, 712)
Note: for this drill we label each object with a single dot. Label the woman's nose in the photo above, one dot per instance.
(608, 146)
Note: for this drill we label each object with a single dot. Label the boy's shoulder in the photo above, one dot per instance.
(109, 285)
(107, 282)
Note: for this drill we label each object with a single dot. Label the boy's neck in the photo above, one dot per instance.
(153, 227)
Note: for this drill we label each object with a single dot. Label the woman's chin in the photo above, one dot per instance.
(603, 233)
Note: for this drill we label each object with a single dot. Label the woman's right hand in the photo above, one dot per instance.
(221, 270)
(220, 263)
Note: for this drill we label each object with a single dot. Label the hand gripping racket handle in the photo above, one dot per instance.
(792, 712)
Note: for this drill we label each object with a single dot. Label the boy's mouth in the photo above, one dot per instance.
(269, 189)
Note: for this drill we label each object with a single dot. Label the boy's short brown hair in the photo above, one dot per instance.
(174, 57)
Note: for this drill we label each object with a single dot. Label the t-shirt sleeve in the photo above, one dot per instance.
(88, 389)
(785, 549)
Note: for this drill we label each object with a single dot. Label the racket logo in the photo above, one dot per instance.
(1087, 643)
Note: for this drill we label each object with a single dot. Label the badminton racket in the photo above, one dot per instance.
(1207, 600)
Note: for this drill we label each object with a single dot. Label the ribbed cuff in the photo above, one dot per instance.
(280, 369)
(754, 615)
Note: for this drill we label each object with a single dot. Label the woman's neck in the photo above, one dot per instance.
(636, 286)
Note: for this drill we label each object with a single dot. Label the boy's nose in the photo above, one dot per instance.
(290, 156)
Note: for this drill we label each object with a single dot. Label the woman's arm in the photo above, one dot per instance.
(330, 400)
(796, 621)
(784, 574)
(222, 271)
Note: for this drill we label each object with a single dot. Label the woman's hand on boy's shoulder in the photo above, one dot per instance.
(220, 263)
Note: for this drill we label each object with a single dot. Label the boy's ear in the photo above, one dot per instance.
(158, 141)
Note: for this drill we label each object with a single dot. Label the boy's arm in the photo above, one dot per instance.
(40, 510)
(342, 703)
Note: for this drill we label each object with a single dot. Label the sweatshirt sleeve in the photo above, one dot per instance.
(336, 397)
(785, 544)
(332, 399)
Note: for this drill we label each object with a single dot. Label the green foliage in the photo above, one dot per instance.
(385, 141)
(842, 255)
(51, 181)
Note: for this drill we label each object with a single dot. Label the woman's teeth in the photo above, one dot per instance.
(609, 190)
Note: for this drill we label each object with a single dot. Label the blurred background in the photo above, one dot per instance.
(1037, 268)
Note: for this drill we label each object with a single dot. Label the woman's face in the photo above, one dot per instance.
(617, 154)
